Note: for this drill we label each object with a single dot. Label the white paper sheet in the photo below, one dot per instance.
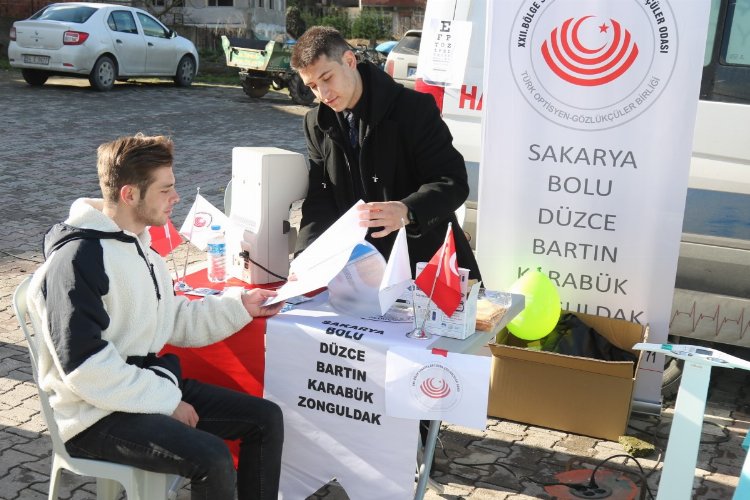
(368, 286)
(449, 386)
(325, 257)
(444, 51)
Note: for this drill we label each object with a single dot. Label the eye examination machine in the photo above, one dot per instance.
(265, 182)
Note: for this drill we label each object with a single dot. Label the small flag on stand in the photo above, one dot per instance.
(164, 238)
(197, 225)
(397, 274)
(440, 279)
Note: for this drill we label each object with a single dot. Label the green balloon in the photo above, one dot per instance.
(542, 311)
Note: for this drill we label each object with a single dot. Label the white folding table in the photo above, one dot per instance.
(302, 332)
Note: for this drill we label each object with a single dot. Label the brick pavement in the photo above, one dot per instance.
(48, 140)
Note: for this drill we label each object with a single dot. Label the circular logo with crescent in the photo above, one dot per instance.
(435, 387)
(202, 219)
(592, 66)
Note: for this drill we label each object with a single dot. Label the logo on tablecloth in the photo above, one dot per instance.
(436, 387)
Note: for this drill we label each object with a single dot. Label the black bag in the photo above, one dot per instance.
(573, 337)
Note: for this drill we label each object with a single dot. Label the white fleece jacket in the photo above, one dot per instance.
(103, 296)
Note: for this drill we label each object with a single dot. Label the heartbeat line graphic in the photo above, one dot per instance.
(713, 321)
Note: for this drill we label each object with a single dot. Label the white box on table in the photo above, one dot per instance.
(463, 322)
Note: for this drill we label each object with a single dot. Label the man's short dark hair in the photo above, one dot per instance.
(130, 161)
(315, 42)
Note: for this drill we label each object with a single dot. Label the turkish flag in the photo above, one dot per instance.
(447, 286)
(164, 238)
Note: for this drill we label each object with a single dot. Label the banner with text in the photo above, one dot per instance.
(589, 112)
(327, 373)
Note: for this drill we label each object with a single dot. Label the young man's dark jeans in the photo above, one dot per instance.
(161, 443)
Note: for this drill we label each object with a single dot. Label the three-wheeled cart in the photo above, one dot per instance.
(264, 64)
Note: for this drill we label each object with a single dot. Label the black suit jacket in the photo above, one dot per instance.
(408, 147)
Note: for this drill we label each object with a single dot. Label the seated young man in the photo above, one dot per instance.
(105, 306)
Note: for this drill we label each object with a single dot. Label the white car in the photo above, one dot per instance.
(402, 59)
(100, 41)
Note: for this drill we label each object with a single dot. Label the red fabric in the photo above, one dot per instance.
(165, 238)
(237, 362)
(447, 293)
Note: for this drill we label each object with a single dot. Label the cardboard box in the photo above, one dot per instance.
(568, 393)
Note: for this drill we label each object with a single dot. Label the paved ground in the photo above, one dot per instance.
(48, 140)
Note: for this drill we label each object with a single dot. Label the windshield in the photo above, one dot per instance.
(68, 13)
(409, 44)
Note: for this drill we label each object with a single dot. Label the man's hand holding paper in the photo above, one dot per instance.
(360, 282)
(325, 257)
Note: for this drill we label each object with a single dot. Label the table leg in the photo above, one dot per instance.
(429, 452)
(684, 438)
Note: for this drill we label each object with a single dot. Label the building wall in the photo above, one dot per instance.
(266, 21)
(411, 4)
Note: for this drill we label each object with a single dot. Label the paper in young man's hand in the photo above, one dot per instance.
(367, 286)
(325, 257)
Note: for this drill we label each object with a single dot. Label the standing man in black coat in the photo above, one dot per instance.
(372, 139)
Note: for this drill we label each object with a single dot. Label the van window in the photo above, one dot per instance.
(738, 48)
(409, 44)
(713, 19)
(726, 69)
(67, 13)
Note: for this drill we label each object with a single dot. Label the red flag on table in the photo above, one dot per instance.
(440, 280)
(164, 238)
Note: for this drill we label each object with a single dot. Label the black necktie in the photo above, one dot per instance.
(353, 129)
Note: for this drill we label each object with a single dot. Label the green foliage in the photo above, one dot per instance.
(295, 24)
(372, 25)
(334, 18)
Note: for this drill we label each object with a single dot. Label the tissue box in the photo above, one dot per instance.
(463, 322)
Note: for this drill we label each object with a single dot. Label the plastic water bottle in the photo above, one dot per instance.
(217, 256)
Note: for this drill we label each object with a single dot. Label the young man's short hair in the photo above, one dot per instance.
(315, 42)
(130, 161)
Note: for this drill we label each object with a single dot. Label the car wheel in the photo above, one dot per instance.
(185, 72)
(301, 93)
(34, 77)
(277, 84)
(255, 89)
(104, 74)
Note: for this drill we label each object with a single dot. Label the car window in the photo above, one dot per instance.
(409, 44)
(68, 13)
(122, 21)
(152, 27)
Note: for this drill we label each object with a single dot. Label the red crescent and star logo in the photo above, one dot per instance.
(578, 63)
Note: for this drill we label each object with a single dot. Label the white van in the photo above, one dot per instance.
(712, 296)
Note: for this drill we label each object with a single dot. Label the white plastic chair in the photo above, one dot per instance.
(110, 477)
